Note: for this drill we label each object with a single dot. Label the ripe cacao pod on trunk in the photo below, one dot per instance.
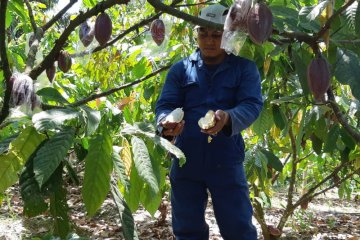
(64, 61)
(103, 28)
(86, 33)
(50, 72)
(318, 77)
(259, 23)
(157, 30)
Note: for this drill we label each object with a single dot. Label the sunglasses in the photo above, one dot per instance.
(205, 33)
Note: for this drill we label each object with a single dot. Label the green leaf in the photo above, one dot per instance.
(149, 131)
(89, 3)
(316, 144)
(93, 119)
(141, 68)
(20, 151)
(120, 168)
(143, 163)
(54, 118)
(347, 139)
(279, 117)
(300, 58)
(133, 196)
(58, 204)
(347, 70)
(357, 19)
(98, 167)
(264, 122)
(8, 18)
(51, 94)
(287, 99)
(331, 139)
(273, 160)
(51, 154)
(5, 144)
(126, 218)
(316, 11)
(34, 203)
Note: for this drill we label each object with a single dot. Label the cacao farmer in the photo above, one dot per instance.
(210, 79)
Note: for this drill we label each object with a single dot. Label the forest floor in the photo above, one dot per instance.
(327, 217)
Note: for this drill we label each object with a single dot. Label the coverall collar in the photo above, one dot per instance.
(195, 58)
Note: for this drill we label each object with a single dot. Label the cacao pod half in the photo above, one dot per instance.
(157, 30)
(50, 72)
(318, 77)
(86, 33)
(103, 28)
(238, 14)
(64, 61)
(259, 23)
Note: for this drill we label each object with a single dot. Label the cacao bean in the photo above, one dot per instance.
(64, 61)
(259, 23)
(103, 28)
(318, 77)
(157, 30)
(86, 33)
(50, 72)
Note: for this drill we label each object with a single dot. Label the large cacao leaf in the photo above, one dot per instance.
(126, 218)
(98, 167)
(93, 119)
(120, 168)
(54, 118)
(136, 184)
(50, 155)
(143, 163)
(20, 151)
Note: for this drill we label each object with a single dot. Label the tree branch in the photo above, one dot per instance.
(187, 17)
(53, 54)
(341, 117)
(331, 19)
(111, 91)
(31, 15)
(5, 62)
(58, 15)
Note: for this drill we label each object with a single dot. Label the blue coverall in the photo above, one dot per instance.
(234, 86)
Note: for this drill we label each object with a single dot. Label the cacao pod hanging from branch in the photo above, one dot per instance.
(259, 23)
(157, 30)
(103, 28)
(318, 77)
(64, 61)
(86, 33)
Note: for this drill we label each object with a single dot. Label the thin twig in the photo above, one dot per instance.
(31, 15)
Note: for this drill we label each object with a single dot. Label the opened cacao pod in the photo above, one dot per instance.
(103, 28)
(86, 33)
(64, 61)
(157, 30)
(318, 77)
(259, 23)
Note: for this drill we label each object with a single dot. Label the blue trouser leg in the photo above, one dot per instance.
(232, 206)
(188, 202)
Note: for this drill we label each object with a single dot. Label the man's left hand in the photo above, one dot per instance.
(222, 119)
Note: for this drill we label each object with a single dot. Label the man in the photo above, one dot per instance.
(210, 79)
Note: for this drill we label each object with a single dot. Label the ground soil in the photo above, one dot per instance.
(327, 217)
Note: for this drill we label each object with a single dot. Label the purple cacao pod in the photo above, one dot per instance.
(64, 61)
(318, 77)
(157, 30)
(259, 23)
(86, 33)
(103, 28)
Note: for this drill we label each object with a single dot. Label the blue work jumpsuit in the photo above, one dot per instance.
(216, 166)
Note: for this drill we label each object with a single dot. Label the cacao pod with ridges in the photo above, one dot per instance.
(50, 72)
(157, 30)
(103, 28)
(238, 14)
(318, 77)
(86, 33)
(259, 23)
(64, 61)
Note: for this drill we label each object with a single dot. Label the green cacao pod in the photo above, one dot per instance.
(64, 61)
(157, 30)
(103, 28)
(259, 23)
(86, 33)
(50, 72)
(318, 77)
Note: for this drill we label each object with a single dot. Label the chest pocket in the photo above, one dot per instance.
(192, 92)
(226, 94)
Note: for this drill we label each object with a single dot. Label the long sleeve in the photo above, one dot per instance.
(249, 100)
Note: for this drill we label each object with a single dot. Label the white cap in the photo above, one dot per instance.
(214, 13)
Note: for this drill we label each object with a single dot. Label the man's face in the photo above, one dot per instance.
(209, 41)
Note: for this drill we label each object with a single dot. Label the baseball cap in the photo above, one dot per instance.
(214, 13)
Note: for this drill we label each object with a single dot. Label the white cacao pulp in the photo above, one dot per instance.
(175, 116)
(208, 121)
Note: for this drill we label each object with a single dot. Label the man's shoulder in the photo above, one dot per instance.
(240, 60)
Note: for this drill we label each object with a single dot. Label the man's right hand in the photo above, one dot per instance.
(172, 128)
